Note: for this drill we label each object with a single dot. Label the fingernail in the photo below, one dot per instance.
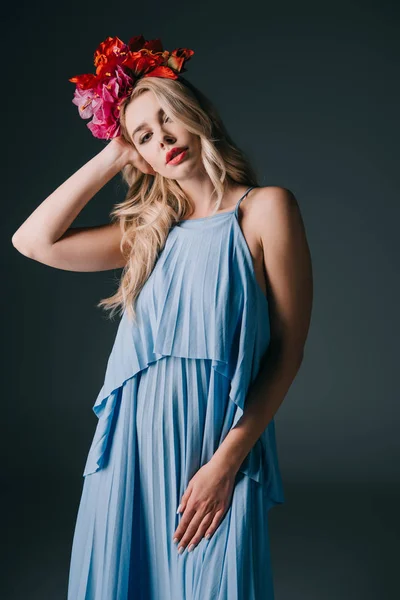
(175, 540)
(190, 547)
(208, 536)
(181, 549)
(178, 509)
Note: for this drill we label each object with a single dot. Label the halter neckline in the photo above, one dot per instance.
(185, 222)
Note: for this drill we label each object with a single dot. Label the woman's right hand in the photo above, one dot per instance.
(128, 153)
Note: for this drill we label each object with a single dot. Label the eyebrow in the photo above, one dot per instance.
(144, 124)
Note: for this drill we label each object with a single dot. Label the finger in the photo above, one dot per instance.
(215, 523)
(184, 499)
(204, 525)
(184, 523)
(190, 531)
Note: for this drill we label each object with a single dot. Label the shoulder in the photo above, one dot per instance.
(273, 210)
(272, 199)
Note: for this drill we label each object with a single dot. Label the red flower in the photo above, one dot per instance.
(118, 67)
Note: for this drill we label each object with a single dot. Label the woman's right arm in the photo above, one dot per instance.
(46, 235)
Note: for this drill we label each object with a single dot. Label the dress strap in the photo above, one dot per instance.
(240, 199)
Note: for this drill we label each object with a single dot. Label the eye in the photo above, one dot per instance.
(142, 140)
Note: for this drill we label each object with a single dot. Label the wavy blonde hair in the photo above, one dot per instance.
(153, 203)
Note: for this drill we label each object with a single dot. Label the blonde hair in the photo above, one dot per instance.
(153, 203)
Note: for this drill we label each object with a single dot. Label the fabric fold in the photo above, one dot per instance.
(201, 301)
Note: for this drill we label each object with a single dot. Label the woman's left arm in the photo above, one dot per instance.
(288, 266)
(277, 220)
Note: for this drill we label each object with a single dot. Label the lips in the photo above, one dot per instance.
(174, 152)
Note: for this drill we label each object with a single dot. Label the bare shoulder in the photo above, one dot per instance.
(278, 225)
(273, 210)
(272, 200)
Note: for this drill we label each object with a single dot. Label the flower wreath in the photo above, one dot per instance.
(118, 67)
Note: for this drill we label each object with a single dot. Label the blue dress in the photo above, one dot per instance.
(175, 384)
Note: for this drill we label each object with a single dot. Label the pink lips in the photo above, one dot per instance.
(178, 158)
(172, 154)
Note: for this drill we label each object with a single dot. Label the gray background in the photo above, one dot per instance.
(310, 90)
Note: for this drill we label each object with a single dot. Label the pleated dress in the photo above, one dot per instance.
(175, 384)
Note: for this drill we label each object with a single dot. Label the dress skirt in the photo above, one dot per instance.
(167, 423)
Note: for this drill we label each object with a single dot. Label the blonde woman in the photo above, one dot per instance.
(215, 297)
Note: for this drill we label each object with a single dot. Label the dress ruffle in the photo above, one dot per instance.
(202, 301)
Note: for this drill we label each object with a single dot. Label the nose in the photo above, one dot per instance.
(167, 139)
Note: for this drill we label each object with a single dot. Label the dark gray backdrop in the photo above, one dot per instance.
(310, 90)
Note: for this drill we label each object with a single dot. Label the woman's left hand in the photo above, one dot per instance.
(204, 504)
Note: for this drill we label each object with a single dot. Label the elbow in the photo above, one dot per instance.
(295, 356)
(293, 360)
(14, 240)
(286, 351)
(300, 357)
(288, 356)
(21, 246)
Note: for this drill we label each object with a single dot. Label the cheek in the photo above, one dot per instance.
(148, 150)
(144, 152)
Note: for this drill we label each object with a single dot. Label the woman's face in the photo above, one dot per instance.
(157, 134)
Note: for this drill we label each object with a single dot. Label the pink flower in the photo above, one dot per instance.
(83, 100)
(118, 67)
(102, 103)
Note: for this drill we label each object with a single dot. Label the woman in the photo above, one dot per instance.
(216, 299)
